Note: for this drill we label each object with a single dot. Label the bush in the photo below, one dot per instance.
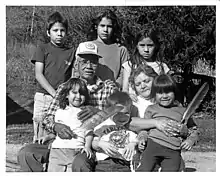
(19, 70)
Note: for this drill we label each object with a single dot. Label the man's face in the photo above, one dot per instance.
(87, 66)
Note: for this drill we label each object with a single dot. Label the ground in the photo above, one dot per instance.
(195, 161)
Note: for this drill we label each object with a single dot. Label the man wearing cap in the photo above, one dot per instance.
(32, 156)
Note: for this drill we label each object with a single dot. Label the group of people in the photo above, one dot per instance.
(130, 100)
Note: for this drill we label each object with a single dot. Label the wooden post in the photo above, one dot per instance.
(32, 21)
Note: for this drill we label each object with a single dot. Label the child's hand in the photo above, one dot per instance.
(142, 145)
(187, 144)
(133, 97)
(88, 151)
(129, 151)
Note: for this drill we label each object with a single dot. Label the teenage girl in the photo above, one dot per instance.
(146, 52)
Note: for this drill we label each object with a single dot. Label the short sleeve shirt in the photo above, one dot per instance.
(113, 56)
(58, 63)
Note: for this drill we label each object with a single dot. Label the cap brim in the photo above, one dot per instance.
(85, 53)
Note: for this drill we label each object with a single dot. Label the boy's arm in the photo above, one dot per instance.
(39, 68)
(88, 141)
(48, 120)
(124, 57)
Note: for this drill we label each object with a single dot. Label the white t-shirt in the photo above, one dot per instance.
(123, 136)
(142, 105)
(68, 116)
(154, 65)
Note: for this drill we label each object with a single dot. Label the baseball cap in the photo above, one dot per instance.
(87, 48)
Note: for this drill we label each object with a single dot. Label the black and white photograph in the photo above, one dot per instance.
(137, 80)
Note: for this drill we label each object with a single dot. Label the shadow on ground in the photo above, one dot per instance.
(189, 169)
(15, 114)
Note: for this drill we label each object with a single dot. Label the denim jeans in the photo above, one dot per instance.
(83, 164)
(60, 159)
(41, 104)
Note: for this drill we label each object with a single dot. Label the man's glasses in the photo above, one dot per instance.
(84, 62)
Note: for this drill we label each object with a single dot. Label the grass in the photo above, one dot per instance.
(19, 134)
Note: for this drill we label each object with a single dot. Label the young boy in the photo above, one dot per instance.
(114, 132)
(53, 66)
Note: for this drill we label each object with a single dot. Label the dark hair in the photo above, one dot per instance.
(163, 83)
(54, 18)
(153, 34)
(147, 70)
(109, 14)
(63, 101)
(119, 98)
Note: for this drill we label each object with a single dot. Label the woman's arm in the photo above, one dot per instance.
(138, 124)
(168, 127)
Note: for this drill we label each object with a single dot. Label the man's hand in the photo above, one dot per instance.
(64, 131)
(87, 112)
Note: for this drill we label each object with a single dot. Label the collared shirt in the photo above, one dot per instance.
(97, 100)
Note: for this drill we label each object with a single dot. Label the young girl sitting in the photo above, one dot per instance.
(146, 52)
(161, 149)
(73, 96)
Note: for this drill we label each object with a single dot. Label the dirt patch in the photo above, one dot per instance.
(11, 157)
(195, 161)
(200, 161)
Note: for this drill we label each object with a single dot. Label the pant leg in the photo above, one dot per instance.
(41, 104)
(112, 165)
(182, 165)
(60, 159)
(171, 161)
(81, 163)
(32, 156)
(149, 159)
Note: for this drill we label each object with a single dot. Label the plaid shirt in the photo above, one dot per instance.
(97, 99)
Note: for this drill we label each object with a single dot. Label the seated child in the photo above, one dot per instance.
(72, 97)
(115, 130)
(161, 149)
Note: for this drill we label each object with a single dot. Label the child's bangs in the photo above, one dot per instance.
(164, 87)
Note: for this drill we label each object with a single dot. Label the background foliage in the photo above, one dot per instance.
(188, 34)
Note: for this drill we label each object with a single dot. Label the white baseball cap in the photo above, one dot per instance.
(87, 48)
